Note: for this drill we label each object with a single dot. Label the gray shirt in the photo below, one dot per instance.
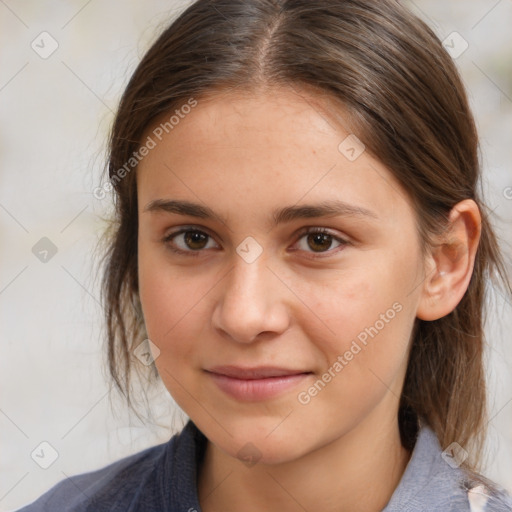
(163, 479)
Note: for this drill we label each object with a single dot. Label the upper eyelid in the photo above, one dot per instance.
(321, 229)
(300, 233)
(184, 228)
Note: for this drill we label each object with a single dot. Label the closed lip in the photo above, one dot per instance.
(254, 373)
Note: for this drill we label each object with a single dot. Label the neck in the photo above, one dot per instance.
(354, 473)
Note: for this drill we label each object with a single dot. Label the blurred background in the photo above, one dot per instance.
(63, 66)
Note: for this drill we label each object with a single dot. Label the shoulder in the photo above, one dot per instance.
(434, 480)
(113, 487)
(484, 495)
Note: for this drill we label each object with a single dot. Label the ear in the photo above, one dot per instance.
(450, 264)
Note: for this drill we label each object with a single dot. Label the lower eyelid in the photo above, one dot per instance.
(342, 243)
(169, 238)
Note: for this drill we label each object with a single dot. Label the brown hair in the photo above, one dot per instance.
(406, 103)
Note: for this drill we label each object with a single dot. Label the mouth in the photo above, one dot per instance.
(256, 383)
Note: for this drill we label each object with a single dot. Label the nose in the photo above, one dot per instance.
(252, 303)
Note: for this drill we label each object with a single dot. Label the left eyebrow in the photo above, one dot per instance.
(325, 209)
(283, 215)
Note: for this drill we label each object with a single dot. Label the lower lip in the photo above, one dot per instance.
(257, 389)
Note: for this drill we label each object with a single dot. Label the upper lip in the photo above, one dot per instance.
(260, 372)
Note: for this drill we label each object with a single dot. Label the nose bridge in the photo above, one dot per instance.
(250, 302)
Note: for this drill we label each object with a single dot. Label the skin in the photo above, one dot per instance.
(299, 305)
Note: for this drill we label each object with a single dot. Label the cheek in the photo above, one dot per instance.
(174, 316)
(164, 298)
(358, 300)
(367, 317)
(364, 352)
(170, 306)
(176, 309)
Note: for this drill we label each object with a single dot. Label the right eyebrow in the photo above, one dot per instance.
(183, 208)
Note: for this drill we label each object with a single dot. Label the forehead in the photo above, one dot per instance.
(277, 146)
(266, 111)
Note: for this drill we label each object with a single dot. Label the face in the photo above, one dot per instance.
(279, 265)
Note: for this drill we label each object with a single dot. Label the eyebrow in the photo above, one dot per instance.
(331, 208)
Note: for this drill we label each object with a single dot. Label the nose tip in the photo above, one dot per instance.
(250, 304)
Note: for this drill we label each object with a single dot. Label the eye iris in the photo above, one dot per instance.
(321, 239)
(195, 240)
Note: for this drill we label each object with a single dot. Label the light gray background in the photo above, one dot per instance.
(55, 115)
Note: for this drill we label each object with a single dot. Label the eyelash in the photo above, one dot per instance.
(195, 253)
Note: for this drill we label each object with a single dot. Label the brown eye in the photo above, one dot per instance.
(319, 241)
(195, 239)
(189, 241)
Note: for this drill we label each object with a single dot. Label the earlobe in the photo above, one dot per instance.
(451, 261)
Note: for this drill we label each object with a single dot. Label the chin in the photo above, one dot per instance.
(262, 442)
(264, 451)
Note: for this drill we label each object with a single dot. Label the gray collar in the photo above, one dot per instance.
(433, 482)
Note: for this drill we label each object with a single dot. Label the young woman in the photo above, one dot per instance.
(301, 244)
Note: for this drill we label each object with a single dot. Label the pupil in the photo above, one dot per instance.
(195, 240)
(321, 239)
